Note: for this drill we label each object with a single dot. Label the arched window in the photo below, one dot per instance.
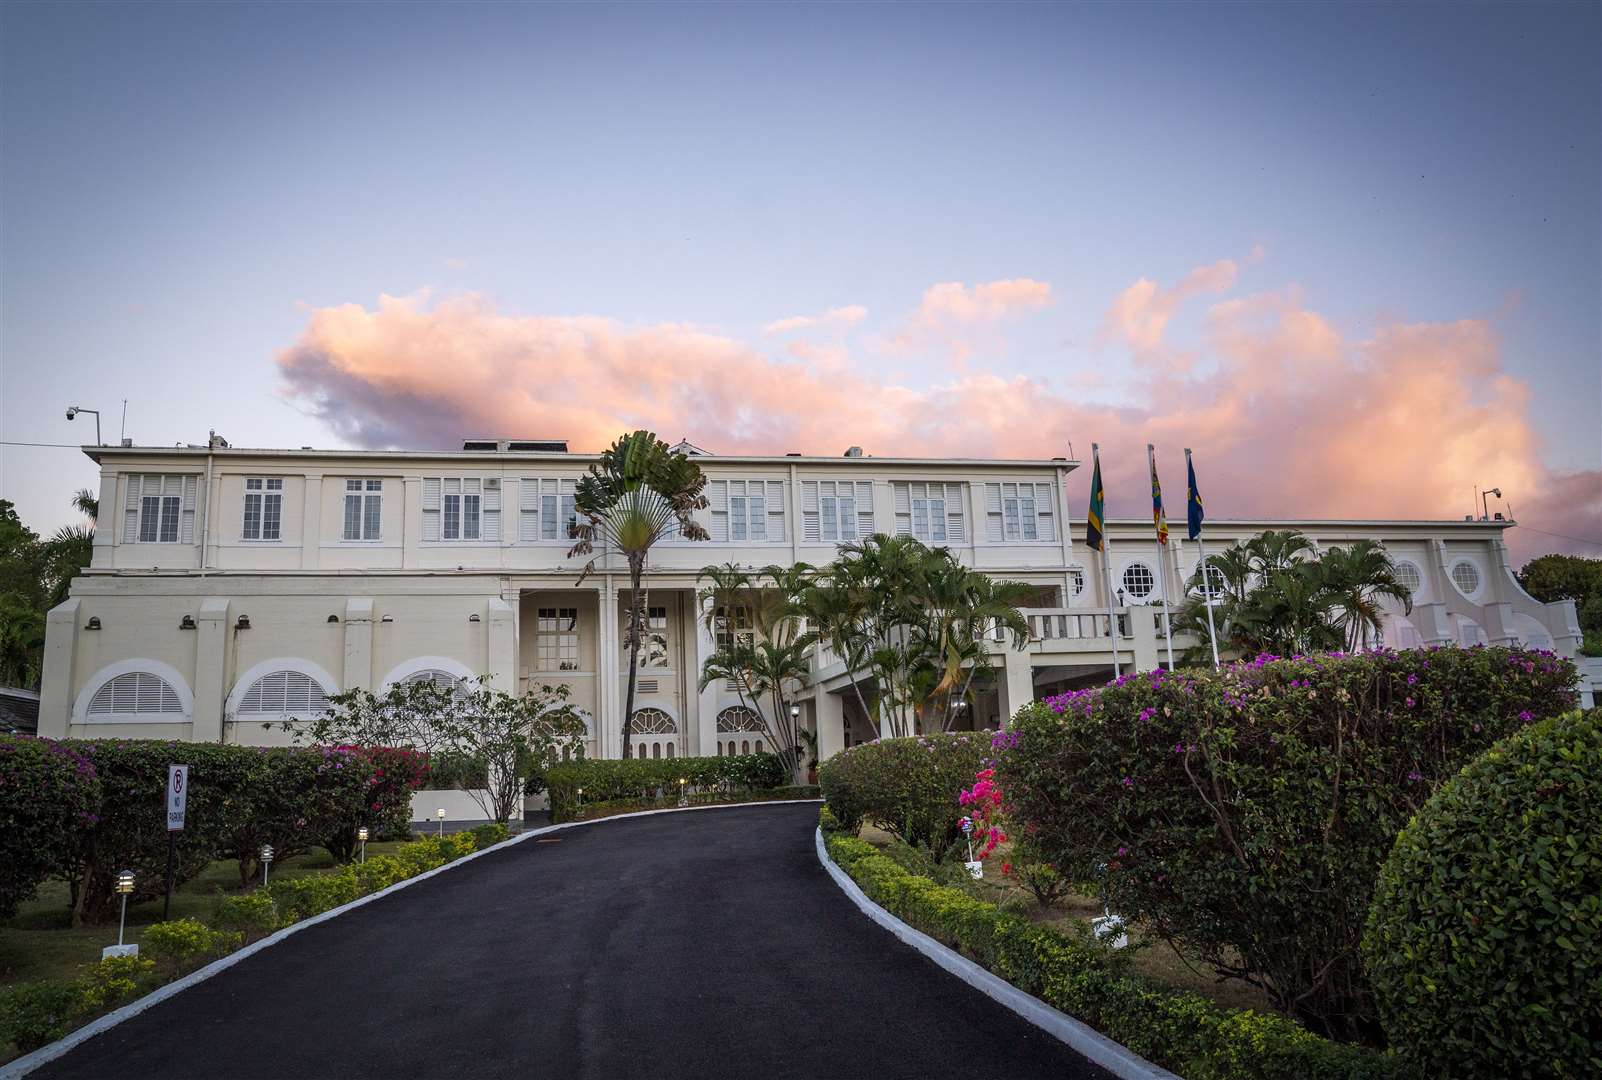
(652, 722)
(738, 718)
(1139, 581)
(1214, 584)
(283, 693)
(442, 679)
(135, 694)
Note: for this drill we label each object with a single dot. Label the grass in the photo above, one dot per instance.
(41, 942)
(1157, 960)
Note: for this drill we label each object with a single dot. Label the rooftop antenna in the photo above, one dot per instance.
(122, 432)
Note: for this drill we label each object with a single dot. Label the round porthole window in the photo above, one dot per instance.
(1139, 581)
(1409, 577)
(1466, 576)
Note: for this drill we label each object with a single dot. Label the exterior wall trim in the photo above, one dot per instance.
(180, 685)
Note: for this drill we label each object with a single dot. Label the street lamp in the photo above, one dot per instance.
(684, 792)
(440, 813)
(361, 834)
(266, 861)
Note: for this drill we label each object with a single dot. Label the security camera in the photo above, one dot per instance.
(72, 411)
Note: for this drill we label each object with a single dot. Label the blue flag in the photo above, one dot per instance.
(1193, 503)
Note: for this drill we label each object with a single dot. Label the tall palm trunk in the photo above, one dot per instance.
(636, 574)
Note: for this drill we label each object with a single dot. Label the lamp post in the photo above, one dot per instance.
(266, 861)
(1485, 511)
(684, 792)
(361, 834)
(125, 888)
(440, 813)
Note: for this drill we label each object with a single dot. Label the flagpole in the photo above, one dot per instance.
(1162, 564)
(1201, 551)
(1106, 568)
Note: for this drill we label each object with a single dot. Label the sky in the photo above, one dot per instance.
(1350, 254)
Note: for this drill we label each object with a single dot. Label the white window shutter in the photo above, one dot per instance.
(528, 501)
(717, 495)
(130, 517)
(775, 510)
(864, 509)
(809, 511)
(1045, 527)
(431, 493)
(993, 513)
(490, 510)
(955, 532)
(903, 499)
(186, 531)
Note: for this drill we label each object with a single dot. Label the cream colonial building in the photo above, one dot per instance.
(231, 587)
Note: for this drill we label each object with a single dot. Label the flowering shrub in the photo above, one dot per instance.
(397, 772)
(48, 793)
(1485, 938)
(637, 778)
(1244, 815)
(908, 787)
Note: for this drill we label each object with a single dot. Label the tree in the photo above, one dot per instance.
(1355, 579)
(1570, 577)
(638, 493)
(22, 601)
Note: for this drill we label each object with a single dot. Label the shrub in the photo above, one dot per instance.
(1179, 1031)
(299, 797)
(1484, 941)
(1228, 807)
(48, 793)
(114, 980)
(380, 872)
(181, 944)
(397, 772)
(302, 897)
(637, 778)
(130, 830)
(908, 787)
(36, 1013)
(251, 914)
(488, 835)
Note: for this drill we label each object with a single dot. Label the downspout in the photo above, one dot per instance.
(205, 511)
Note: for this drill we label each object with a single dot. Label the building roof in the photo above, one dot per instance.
(19, 710)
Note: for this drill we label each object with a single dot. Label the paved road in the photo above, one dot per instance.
(700, 945)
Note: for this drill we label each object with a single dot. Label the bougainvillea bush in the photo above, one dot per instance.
(48, 793)
(908, 787)
(297, 797)
(1485, 938)
(397, 772)
(1244, 815)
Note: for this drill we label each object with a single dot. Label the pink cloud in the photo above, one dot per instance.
(834, 317)
(1289, 419)
(953, 301)
(1139, 316)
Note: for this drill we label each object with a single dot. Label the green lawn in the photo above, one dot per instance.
(40, 943)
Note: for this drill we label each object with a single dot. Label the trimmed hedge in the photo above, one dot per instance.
(638, 778)
(906, 786)
(1182, 1032)
(1228, 808)
(1484, 942)
(48, 794)
(295, 797)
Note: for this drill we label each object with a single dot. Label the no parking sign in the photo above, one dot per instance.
(177, 796)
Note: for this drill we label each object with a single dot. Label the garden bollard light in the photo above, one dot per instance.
(684, 792)
(266, 861)
(124, 887)
(361, 834)
(976, 869)
(440, 813)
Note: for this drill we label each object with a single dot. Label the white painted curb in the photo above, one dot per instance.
(1117, 1059)
(24, 1065)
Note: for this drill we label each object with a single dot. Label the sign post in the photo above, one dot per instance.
(177, 803)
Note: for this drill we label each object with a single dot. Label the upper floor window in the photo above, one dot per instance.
(930, 512)
(1019, 512)
(836, 511)
(461, 508)
(746, 511)
(556, 639)
(653, 639)
(545, 510)
(160, 510)
(264, 508)
(1076, 580)
(364, 509)
(1408, 576)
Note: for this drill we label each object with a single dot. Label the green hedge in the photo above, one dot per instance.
(908, 786)
(638, 778)
(48, 794)
(1183, 1032)
(1229, 807)
(1484, 942)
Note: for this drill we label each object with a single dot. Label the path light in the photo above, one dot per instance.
(440, 813)
(361, 834)
(266, 861)
(124, 888)
(684, 792)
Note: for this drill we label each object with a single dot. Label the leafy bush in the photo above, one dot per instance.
(181, 944)
(488, 834)
(1484, 942)
(397, 772)
(1227, 808)
(908, 787)
(454, 770)
(300, 797)
(380, 872)
(302, 897)
(606, 780)
(48, 793)
(36, 1013)
(1179, 1031)
(114, 980)
(251, 914)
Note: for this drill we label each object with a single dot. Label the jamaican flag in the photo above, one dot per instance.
(1098, 501)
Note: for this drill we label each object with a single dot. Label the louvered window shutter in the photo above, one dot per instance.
(903, 493)
(130, 516)
(993, 513)
(775, 523)
(864, 520)
(759, 511)
(1046, 526)
(528, 510)
(187, 532)
(717, 496)
(491, 527)
(810, 531)
(955, 532)
(431, 502)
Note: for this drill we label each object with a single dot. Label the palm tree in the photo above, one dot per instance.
(638, 493)
(835, 610)
(71, 548)
(1355, 579)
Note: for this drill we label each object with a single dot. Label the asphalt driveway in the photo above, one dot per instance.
(699, 945)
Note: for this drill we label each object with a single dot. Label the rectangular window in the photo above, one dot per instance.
(930, 512)
(545, 510)
(556, 641)
(836, 511)
(729, 633)
(746, 511)
(264, 508)
(458, 508)
(364, 509)
(653, 639)
(160, 509)
(1019, 513)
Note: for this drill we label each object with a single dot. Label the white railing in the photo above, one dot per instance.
(1068, 624)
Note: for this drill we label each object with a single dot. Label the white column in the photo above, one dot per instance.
(1017, 683)
(108, 524)
(608, 691)
(211, 655)
(61, 646)
(829, 709)
(358, 666)
(311, 522)
(500, 646)
(1143, 629)
(706, 701)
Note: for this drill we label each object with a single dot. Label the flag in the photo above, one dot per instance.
(1157, 499)
(1193, 503)
(1098, 499)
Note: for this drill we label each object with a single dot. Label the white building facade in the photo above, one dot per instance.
(231, 588)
